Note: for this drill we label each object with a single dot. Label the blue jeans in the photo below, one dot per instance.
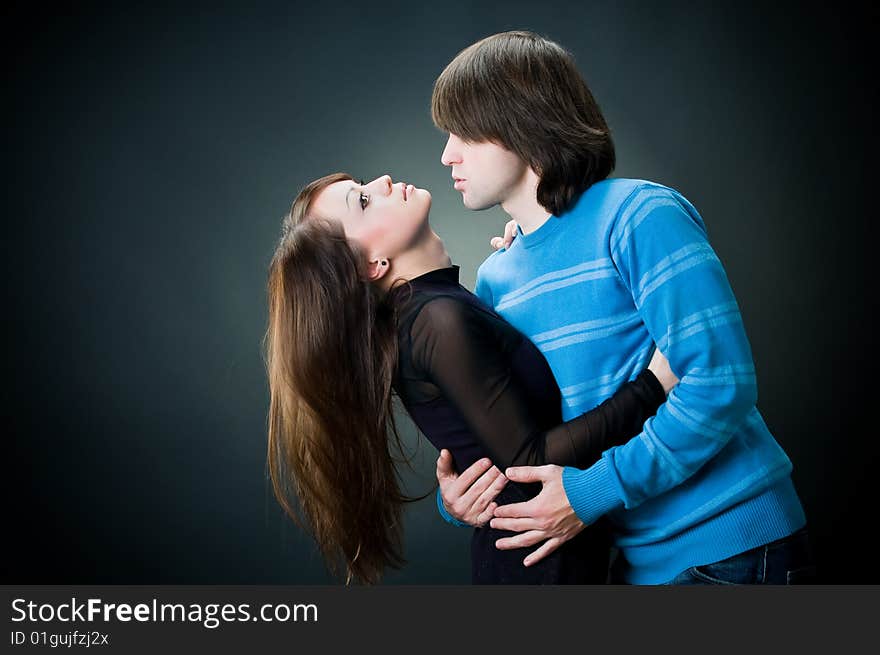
(786, 561)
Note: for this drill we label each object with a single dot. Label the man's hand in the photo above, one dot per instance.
(507, 239)
(469, 497)
(546, 516)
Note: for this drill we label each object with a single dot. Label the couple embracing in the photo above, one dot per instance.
(596, 391)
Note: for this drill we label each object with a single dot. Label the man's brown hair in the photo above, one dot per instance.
(523, 92)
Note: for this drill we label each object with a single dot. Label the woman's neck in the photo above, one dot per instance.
(428, 253)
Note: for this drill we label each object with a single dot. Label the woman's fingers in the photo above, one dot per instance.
(509, 233)
(507, 239)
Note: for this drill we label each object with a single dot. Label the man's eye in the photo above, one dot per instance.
(365, 199)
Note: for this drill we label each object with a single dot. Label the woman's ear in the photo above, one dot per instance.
(377, 268)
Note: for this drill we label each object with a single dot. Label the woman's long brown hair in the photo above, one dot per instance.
(331, 352)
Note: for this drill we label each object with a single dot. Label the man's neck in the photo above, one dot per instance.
(522, 204)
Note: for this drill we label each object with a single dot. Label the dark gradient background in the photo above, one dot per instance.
(150, 154)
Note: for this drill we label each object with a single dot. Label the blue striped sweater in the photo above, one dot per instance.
(627, 267)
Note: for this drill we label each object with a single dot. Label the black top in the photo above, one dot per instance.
(475, 385)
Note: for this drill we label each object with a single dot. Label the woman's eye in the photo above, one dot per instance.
(365, 199)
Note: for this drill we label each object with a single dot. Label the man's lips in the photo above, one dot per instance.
(459, 183)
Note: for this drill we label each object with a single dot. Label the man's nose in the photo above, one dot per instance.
(452, 152)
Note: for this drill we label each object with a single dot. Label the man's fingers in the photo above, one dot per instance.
(489, 485)
(489, 493)
(514, 525)
(499, 484)
(546, 548)
(516, 510)
(528, 473)
(496, 242)
(484, 517)
(479, 488)
(471, 473)
(444, 465)
(468, 495)
(520, 541)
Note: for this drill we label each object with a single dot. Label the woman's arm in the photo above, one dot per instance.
(659, 366)
(458, 350)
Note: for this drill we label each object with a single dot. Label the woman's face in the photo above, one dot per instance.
(384, 218)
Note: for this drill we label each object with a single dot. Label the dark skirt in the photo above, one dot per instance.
(581, 560)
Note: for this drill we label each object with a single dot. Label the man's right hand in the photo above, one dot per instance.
(507, 239)
(469, 497)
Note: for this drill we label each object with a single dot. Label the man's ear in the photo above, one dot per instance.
(377, 268)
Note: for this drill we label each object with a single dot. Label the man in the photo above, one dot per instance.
(599, 271)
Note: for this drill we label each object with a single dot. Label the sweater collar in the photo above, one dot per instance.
(447, 275)
(548, 228)
(439, 277)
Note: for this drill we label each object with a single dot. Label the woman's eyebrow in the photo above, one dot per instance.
(347, 195)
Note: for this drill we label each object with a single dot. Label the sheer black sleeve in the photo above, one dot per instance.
(463, 357)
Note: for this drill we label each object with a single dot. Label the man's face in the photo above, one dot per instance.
(485, 173)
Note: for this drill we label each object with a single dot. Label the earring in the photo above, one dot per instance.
(384, 262)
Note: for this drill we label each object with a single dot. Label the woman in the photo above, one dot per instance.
(363, 301)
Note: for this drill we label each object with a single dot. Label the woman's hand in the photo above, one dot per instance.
(469, 497)
(507, 239)
(659, 366)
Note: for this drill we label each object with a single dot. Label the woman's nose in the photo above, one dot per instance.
(381, 184)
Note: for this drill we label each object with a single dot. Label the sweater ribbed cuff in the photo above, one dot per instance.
(591, 493)
(446, 515)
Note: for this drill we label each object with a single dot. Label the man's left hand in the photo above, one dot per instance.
(548, 516)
